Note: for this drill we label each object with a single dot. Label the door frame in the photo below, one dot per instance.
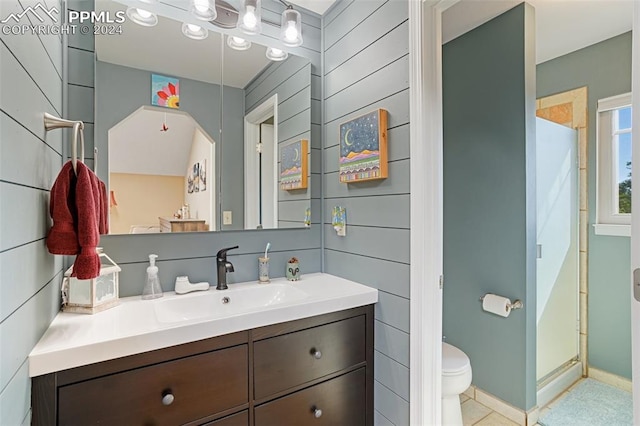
(635, 211)
(252, 123)
(425, 100)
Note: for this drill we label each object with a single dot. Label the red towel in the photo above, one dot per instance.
(62, 238)
(78, 209)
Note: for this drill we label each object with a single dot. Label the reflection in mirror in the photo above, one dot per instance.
(177, 171)
(162, 159)
(276, 113)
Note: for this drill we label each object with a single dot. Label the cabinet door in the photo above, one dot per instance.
(169, 393)
(296, 358)
(337, 402)
(240, 419)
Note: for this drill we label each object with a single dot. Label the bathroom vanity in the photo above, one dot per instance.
(314, 368)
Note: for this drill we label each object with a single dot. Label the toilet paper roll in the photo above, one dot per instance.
(496, 305)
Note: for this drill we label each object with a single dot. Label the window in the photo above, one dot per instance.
(614, 166)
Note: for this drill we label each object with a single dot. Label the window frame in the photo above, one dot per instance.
(608, 220)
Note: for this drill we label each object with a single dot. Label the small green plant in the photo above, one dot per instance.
(293, 260)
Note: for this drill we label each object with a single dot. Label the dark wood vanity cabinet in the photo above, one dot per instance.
(316, 371)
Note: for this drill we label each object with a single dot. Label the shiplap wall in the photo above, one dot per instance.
(291, 80)
(31, 67)
(366, 66)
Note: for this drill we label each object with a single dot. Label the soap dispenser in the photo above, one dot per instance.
(152, 289)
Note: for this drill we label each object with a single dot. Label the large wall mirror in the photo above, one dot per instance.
(241, 129)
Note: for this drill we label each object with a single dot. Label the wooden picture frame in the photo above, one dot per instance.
(294, 167)
(363, 148)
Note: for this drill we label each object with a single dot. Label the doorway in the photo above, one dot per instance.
(261, 165)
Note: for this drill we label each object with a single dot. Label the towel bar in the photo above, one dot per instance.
(52, 122)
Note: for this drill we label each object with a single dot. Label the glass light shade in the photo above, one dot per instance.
(238, 43)
(195, 32)
(291, 28)
(203, 9)
(276, 54)
(250, 19)
(142, 17)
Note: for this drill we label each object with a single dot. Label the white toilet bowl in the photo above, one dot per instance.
(456, 378)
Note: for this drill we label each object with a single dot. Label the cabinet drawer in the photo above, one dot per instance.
(340, 401)
(240, 419)
(201, 385)
(296, 358)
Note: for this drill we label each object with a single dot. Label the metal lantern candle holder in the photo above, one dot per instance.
(95, 294)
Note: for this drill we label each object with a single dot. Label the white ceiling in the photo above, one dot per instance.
(129, 142)
(317, 6)
(562, 26)
(163, 49)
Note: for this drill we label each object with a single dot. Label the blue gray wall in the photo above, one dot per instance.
(32, 81)
(605, 68)
(366, 67)
(291, 80)
(489, 201)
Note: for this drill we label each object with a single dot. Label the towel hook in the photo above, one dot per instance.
(52, 122)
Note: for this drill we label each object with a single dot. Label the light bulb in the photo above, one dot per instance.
(195, 32)
(201, 5)
(291, 33)
(275, 54)
(143, 13)
(250, 19)
(205, 10)
(238, 43)
(142, 17)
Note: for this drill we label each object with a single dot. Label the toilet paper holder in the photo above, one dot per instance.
(516, 304)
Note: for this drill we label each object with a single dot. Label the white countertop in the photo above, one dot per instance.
(133, 327)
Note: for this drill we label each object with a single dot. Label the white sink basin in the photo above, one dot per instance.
(225, 303)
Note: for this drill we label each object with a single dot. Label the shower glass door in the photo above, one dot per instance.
(557, 264)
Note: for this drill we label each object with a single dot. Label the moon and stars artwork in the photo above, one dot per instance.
(293, 165)
(363, 148)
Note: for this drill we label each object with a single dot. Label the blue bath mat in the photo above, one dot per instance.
(591, 403)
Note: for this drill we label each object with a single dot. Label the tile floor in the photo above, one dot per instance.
(476, 414)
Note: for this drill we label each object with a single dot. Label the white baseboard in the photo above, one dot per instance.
(558, 385)
(611, 379)
(499, 406)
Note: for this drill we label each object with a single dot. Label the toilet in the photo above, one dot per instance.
(456, 378)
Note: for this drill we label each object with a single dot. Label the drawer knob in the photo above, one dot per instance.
(316, 353)
(317, 413)
(167, 397)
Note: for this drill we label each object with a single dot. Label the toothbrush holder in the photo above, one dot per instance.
(263, 270)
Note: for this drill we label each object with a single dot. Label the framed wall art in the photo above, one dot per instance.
(165, 91)
(293, 165)
(363, 148)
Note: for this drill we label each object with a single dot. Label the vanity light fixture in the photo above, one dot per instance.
(142, 17)
(203, 9)
(238, 43)
(275, 54)
(250, 20)
(291, 27)
(195, 32)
